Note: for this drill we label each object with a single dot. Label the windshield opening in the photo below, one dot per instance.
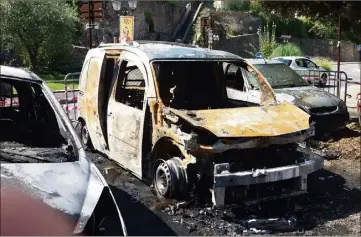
(192, 85)
(31, 130)
(280, 75)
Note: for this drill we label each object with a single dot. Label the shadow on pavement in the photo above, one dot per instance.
(328, 199)
(139, 220)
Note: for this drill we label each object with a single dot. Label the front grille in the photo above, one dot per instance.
(322, 110)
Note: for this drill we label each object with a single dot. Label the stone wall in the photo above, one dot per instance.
(248, 45)
(327, 48)
(165, 16)
(245, 46)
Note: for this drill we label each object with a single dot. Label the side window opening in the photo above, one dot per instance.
(234, 78)
(130, 88)
(9, 100)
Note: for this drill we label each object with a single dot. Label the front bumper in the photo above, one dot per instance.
(224, 178)
(330, 122)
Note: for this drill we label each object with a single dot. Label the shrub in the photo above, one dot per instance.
(323, 62)
(288, 49)
(267, 41)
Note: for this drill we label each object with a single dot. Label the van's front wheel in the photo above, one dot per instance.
(169, 179)
(85, 138)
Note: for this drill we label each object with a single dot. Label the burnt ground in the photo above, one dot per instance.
(332, 207)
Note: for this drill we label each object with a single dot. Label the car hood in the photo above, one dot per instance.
(260, 121)
(71, 188)
(307, 96)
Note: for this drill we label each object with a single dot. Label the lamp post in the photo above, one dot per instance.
(132, 5)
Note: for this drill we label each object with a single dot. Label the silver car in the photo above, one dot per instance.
(305, 64)
(41, 156)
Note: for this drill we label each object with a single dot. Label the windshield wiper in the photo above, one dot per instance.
(288, 85)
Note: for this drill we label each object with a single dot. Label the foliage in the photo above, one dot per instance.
(287, 49)
(321, 12)
(238, 5)
(323, 62)
(42, 31)
(149, 20)
(318, 19)
(267, 40)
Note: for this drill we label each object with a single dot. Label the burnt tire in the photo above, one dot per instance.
(169, 179)
(85, 138)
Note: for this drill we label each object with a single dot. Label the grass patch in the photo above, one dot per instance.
(284, 50)
(52, 76)
(323, 62)
(59, 85)
(55, 81)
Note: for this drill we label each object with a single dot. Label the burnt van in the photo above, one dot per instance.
(161, 111)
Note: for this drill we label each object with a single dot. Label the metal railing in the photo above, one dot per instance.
(72, 111)
(331, 81)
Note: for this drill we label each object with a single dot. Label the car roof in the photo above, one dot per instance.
(291, 57)
(158, 50)
(262, 61)
(18, 73)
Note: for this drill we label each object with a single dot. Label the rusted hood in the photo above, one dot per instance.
(262, 121)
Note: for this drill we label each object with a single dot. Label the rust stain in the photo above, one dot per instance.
(250, 121)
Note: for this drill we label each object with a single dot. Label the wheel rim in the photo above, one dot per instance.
(85, 135)
(162, 180)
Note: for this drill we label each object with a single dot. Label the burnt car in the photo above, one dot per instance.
(42, 156)
(327, 110)
(161, 111)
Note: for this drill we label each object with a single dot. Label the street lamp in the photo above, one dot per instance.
(117, 5)
(132, 5)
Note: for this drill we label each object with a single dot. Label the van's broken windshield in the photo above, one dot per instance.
(30, 130)
(192, 85)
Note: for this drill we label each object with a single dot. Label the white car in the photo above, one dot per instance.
(316, 75)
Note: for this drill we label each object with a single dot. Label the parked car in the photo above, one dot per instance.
(161, 111)
(313, 73)
(42, 156)
(327, 111)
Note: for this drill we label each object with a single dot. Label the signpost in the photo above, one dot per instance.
(259, 55)
(126, 27)
(91, 11)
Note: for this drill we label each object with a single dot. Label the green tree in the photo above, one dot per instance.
(41, 30)
(324, 13)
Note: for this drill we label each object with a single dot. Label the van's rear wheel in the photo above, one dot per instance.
(85, 138)
(169, 179)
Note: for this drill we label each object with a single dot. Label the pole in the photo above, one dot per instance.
(339, 53)
(90, 12)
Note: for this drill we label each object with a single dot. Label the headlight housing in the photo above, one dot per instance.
(342, 107)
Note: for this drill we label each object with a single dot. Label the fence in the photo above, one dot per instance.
(68, 97)
(335, 82)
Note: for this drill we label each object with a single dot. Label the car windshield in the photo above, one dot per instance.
(192, 85)
(280, 75)
(31, 130)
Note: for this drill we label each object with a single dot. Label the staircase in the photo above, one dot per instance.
(190, 15)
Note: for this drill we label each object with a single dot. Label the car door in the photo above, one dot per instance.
(90, 103)
(125, 116)
(236, 87)
(252, 87)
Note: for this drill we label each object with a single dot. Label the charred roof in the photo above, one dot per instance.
(156, 50)
(18, 73)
